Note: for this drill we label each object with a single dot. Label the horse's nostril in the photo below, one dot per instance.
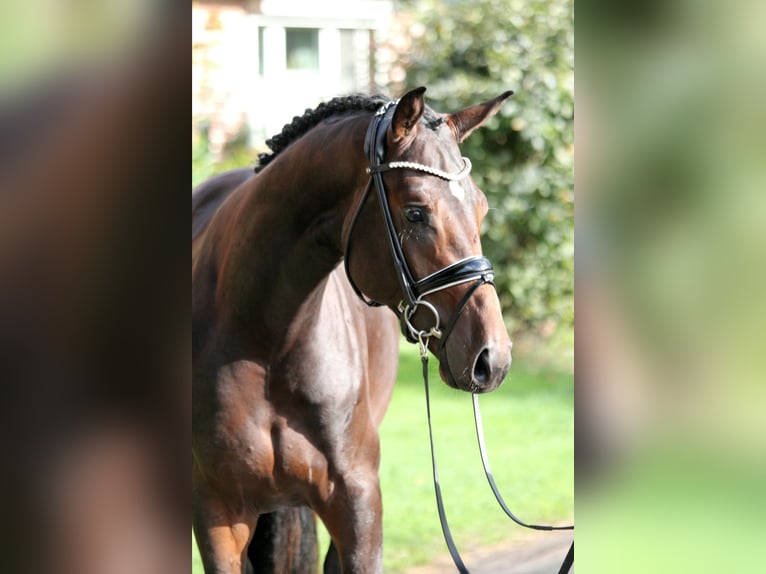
(481, 370)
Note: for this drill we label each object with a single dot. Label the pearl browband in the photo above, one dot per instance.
(424, 168)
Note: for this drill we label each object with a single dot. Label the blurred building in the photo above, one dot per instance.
(256, 64)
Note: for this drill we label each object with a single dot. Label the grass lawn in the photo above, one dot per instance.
(529, 425)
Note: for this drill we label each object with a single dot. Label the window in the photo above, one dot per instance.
(302, 47)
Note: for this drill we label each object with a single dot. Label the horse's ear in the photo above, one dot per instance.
(468, 119)
(408, 112)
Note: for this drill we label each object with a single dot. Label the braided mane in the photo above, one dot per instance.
(310, 118)
(302, 124)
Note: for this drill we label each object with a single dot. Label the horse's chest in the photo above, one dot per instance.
(326, 376)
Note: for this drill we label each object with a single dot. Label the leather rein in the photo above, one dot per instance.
(476, 269)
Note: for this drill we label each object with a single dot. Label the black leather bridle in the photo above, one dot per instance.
(476, 268)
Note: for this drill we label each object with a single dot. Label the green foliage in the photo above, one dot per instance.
(523, 157)
(236, 153)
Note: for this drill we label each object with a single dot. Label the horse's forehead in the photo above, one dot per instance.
(440, 150)
(435, 147)
(438, 140)
(457, 190)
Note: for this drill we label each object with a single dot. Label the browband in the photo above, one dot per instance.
(424, 168)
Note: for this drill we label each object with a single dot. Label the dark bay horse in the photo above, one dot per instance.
(292, 372)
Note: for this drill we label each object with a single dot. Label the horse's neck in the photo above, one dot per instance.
(282, 235)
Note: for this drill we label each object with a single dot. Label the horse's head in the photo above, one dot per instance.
(436, 211)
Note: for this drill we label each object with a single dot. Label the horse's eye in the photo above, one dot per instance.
(414, 214)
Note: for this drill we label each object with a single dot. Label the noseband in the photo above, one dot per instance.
(476, 268)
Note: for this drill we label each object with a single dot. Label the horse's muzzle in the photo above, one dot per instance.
(483, 374)
(490, 368)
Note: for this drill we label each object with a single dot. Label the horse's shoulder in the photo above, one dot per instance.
(208, 196)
